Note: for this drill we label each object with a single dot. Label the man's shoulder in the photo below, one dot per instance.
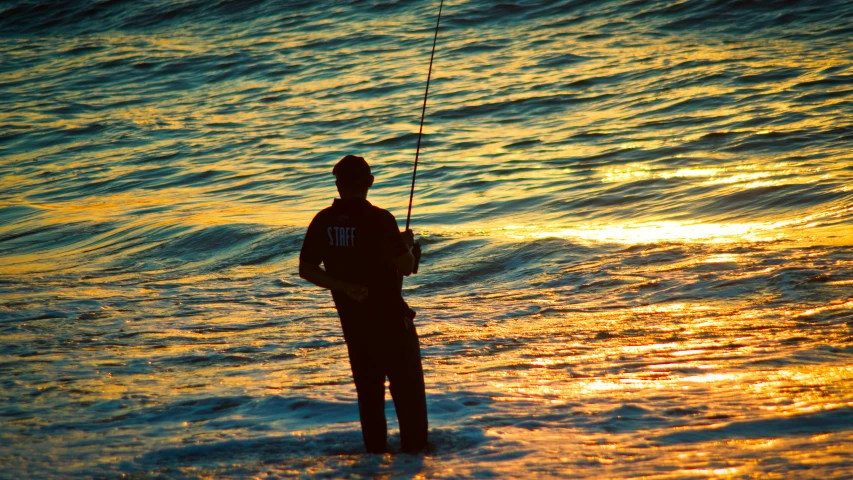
(322, 214)
(379, 211)
(371, 212)
(380, 214)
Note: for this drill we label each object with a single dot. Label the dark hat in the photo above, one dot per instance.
(352, 171)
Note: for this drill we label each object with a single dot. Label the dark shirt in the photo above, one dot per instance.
(356, 243)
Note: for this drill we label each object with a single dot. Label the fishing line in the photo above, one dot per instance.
(423, 114)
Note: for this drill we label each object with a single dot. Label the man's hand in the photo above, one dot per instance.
(408, 238)
(356, 292)
(406, 262)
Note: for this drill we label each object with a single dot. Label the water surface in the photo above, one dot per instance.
(636, 217)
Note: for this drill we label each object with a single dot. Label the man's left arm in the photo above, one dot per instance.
(405, 262)
(316, 275)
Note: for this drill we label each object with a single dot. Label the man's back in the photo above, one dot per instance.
(356, 242)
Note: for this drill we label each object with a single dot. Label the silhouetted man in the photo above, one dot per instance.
(365, 258)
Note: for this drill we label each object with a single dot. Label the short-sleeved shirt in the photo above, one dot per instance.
(357, 242)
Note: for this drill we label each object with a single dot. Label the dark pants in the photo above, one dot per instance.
(395, 354)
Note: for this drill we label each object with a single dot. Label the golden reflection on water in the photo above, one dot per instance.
(834, 306)
(718, 175)
(654, 232)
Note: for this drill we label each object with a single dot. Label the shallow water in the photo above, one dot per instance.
(636, 219)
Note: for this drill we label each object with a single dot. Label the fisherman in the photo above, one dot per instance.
(365, 258)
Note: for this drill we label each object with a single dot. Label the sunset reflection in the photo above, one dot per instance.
(660, 232)
(636, 218)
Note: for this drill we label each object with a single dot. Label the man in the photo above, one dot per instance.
(365, 258)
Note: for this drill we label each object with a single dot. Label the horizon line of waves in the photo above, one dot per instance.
(32, 231)
(90, 17)
(753, 19)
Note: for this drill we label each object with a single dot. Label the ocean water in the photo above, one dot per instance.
(637, 220)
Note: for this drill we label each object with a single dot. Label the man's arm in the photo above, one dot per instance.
(405, 263)
(319, 277)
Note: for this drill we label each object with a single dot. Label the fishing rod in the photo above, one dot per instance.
(420, 133)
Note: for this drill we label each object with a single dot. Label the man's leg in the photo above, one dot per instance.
(370, 384)
(406, 378)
